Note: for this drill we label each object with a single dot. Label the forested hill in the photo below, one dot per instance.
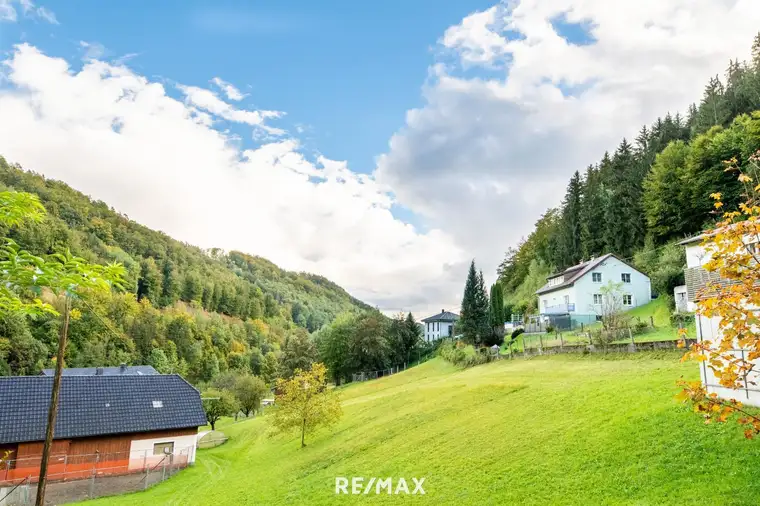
(209, 288)
(638, 201)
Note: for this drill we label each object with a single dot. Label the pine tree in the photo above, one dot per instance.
(570, 224)
(484, 328)
(468, 313)
(496, 316)
(593, 207)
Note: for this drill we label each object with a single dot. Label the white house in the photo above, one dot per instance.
(575, 294)
(707, 328)
(440, 325)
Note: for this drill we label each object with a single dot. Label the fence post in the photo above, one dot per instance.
(540, 345)
(147, 472)
(65, 461)
(581, 327)
(651, 320)
(561, 342)
(163, 471)
(94, 472)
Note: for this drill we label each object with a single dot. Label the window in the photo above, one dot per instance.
(626, 277)
(627, 300)
(163, 448)
(597, 298)
(546, 303)
(437, 326)
(567, 299)
(596, 277)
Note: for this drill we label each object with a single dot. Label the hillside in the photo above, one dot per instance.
(234, 306)
(639, 200)
(559, 430)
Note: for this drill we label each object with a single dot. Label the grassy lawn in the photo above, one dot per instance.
(552, 430)
(656, 311)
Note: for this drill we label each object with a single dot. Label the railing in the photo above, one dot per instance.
(559, 309)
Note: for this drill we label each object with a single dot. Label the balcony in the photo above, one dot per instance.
(559, 309)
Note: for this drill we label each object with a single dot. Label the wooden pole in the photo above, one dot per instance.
(53, 409)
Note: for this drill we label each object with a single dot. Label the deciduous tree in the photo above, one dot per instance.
(305, 403)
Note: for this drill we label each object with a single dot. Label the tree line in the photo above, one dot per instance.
(180, 309)
(639, 200)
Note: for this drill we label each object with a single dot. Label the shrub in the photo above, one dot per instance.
(461, 355)
(517, 332)
(685, 319)
(639, 327)
(549, 329)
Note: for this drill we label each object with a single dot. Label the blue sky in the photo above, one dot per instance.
(460, 122)
(346, 71)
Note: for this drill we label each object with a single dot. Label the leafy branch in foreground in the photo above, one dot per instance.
(732, 246)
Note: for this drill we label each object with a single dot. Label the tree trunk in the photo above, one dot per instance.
(53, 409)
(303, 433)
(213, 424)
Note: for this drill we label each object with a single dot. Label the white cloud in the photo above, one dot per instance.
(9, 13)
(165, 166)
(210, 101)
(485, 156)
(229, 90)
(92, 50)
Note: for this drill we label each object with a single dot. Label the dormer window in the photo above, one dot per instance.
(158, 404)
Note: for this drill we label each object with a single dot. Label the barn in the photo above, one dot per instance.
(107, 424)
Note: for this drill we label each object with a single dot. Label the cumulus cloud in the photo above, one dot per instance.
(229, 90)
(209, 101)
(522, 107)
(119, 137)
(9, 12)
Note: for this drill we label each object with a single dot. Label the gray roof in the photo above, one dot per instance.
(105, 371)
(443, 316)
(97, 405)
(574, 273)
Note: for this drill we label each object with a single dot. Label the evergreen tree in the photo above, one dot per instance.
(496, 316)
(570, 230)
(468, 313)
(149, 282)
(593, 205)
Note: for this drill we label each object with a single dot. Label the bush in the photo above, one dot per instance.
(549, 329)
(685, 319)
(639, 327)
(517, 332)
(461, 355)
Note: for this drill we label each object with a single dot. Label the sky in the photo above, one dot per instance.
(383, 145)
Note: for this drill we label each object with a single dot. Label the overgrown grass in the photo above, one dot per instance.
(559, 430)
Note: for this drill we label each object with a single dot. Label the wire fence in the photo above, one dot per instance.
(87, 476)
(370, 375)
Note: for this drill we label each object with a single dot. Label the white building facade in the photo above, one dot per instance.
(697, 255)
(439, 326)
(576, 294)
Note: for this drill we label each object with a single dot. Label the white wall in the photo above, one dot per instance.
(640, 287)
(184, 445)
(582, 292)
(437, 330)
(556, 298)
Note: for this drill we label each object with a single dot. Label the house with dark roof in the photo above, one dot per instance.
(106, 424)
(575, 295)
(104, 371)
(440, 325)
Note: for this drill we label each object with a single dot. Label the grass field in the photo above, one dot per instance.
(584, 430)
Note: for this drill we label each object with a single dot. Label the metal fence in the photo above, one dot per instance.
(74, 478)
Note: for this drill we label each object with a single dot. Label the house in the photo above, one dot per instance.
(105, 424)
(697, 278)
(439, 325)
(104, 371)
(681, 298)
(575, 296)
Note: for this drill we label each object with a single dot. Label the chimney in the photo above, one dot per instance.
(123, 368)
(443, 311)
(98, 371)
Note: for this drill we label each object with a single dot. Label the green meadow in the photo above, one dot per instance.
(586, 430)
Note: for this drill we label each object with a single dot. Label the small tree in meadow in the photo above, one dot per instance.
(218, 403)
(305, 402)
(250, 390)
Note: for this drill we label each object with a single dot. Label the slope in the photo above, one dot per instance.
(559, 430)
